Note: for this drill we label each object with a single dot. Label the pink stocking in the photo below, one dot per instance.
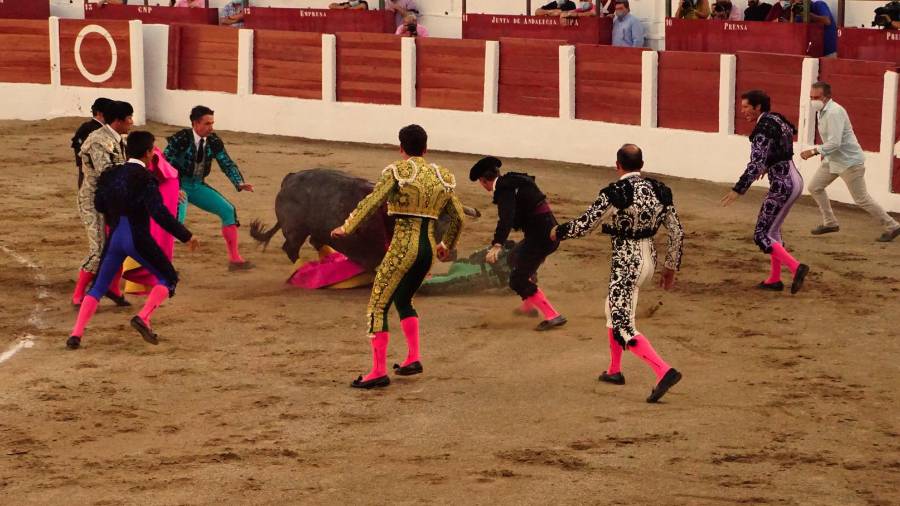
(640, 346)
(411, 331)
(158, 294)
(230, 233)
(615, 354)
(379, 356)
(781, 254)
(84, 279)
(85, 313)
(775, 273)
(539, 300)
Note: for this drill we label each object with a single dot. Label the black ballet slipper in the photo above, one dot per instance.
(118, 299)
(668, 381)
(381, 381)
(777, 286)
(408, 370)
(73, 343)
(559, 321)
(616, 379)
(799, 276)
(144, 330)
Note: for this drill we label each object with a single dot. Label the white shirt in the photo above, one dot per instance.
(197, 140)
(635, 173)
(839, 148)
(135, 160)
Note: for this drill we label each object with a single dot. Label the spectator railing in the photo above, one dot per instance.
(716, 36)
(319, 20)
(582, 30)
(153, 14)
(24, 9)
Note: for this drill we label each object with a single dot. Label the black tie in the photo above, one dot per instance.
(200, 151)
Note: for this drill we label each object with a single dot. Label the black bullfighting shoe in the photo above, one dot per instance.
(802, 271)
(144, 330)
(777, 286)
(616, 379)
(408, 370)
(118, 299)
(559, 321)
(668, 381)
(73, 342)
(381, 381)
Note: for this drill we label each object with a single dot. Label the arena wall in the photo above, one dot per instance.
(691, 150)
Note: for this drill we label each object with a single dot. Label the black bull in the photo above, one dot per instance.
(311, 203)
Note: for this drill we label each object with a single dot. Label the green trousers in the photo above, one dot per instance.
(207, 198)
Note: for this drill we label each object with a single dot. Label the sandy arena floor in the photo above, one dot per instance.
(785, 399)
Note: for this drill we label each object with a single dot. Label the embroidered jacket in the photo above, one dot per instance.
(771, 148)
(413, 187)
(100, 151)
(182, 153)
(641, 206)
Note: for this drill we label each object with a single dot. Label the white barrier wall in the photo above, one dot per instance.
(718, 157)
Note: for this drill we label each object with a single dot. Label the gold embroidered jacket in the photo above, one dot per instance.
(416, 188)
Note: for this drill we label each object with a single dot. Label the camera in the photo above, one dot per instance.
(687, 5)
(884, 15)
(411, 29)
(797, 9)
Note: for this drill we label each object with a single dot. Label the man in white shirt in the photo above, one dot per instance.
(842, 157)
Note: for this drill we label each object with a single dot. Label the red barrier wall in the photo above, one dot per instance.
(714, 36)
(319, 20)
(450, 74)
(583, 30)
(203, 58)
(296, 72)
(688, 91)
(24, 9)
(92, 64)
(873, 45)
(858, 86)
(608, 83)
(152, 14)
(529, 77)
(778, 75)
(26, 54)
(368, 68)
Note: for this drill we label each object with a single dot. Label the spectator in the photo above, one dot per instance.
(187, 3)
(401, 8)
(582, 8)
(354, 5)
(821, 14)
(411, 27)
(756, 11)
(556, 8)
(233, 14)
(606, 7)
(627, 30)
(693, 9)
(780, 11)
(725, 10)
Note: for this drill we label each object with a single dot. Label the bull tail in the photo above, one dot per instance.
(262, 236)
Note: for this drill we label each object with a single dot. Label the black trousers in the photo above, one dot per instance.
(530, 253)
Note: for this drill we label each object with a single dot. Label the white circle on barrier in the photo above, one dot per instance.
(96, 78)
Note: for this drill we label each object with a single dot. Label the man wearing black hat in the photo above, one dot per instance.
(86, 129)
(521, 206)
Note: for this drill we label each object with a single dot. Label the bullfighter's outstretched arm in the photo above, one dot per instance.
(454, 210)
(372, 202)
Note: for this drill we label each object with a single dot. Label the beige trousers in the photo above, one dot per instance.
(855, 179)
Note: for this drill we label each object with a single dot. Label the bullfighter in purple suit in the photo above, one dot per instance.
(771, 153)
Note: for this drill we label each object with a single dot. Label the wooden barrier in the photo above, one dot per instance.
(319, 20)
(688, 91)
(368, 68)
(450, 74)
(203, 58)
(715, 36)
(94, 54)
(865, 44)
(858, 86)
(153, 14)
(608, 83)
(26, 54)
(287, 64)
(529, 77)
(24, 9)
(583, 30)
(778, 75)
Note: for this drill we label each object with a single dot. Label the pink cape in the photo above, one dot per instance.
(328, 271)
(169, 189)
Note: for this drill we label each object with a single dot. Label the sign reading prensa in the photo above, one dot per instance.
(95, 54)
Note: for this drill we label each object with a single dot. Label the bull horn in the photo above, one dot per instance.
(471, 212)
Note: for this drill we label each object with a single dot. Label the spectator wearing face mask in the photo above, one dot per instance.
(556, 8)
(411, 27)
(401, 8)
(693, 9)
(756, 10)
(233, 14)
(355, 5)
(583, 8)
(725, 10)
(627, 30)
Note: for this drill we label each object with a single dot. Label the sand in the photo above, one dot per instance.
(785, 399)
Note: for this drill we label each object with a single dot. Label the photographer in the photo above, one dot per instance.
(411, 27)
(818, 13)
(693, 9)
(725, 11)
(888, 17)
(756, 11)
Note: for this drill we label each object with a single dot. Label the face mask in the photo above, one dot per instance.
(619, 14)
(354, 3)
(817, 105)
(585, 6)
(786, 4)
